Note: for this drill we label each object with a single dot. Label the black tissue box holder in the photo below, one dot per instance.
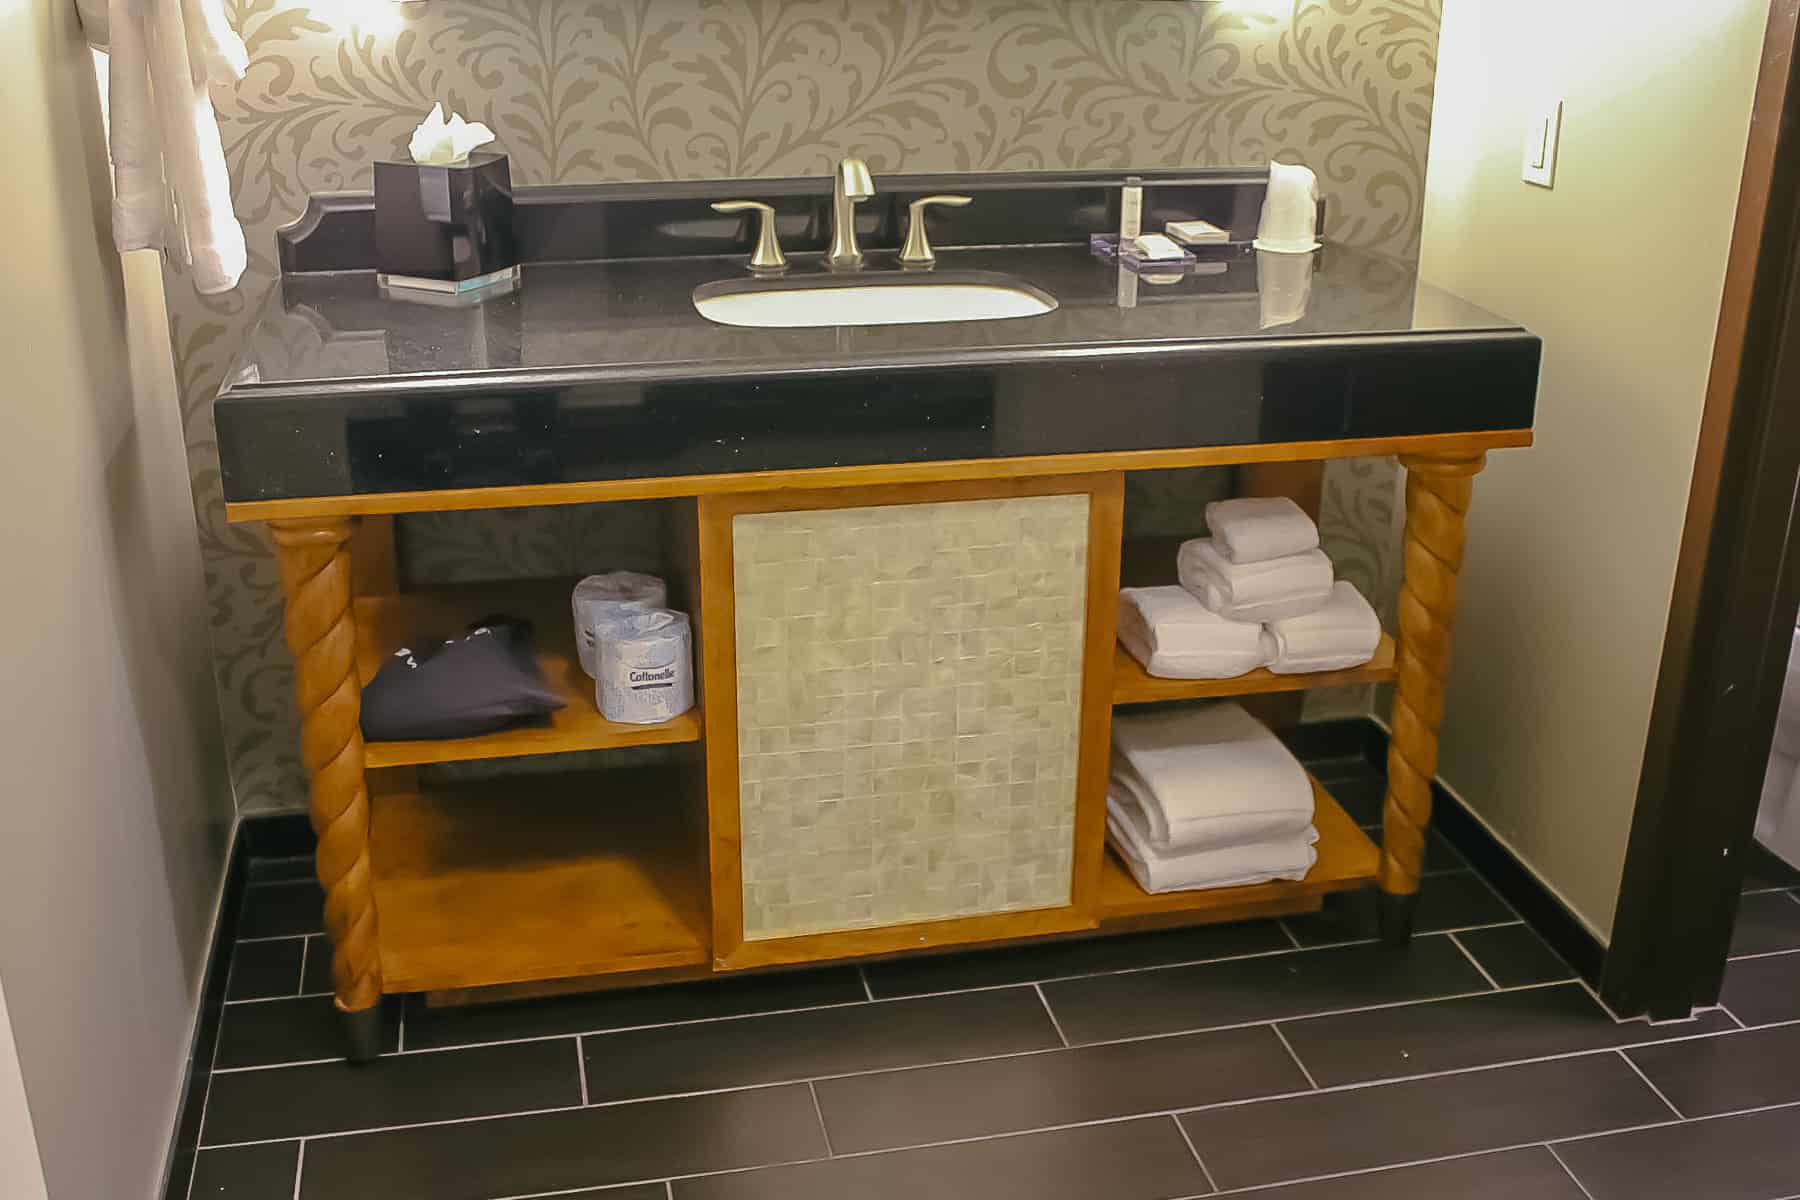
(446, 230)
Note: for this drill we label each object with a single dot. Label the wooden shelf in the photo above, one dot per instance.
(386, 623)
(1347, 860)
(1133, 685)
(538, 877)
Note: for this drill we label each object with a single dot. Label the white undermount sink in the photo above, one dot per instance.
(889, 299)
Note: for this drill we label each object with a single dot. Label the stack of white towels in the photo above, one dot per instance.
(1259, 592)
(1207, 797)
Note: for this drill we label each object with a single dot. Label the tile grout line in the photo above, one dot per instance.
(1764, 954)
(299, 1168)
(867, 990)
(581, 1069)
(300, 983)
(1048, 1012)
(1569, 1171)
(669, 1189)
(1639, 1072)
(1283, 925)
(1193, 1150)
(1217, 1105)
(276, 999)
(1736, 1020)
(400, 1041)
(1146, 1037)
(212, 1068)
(1288, 1046)
(1476, 963)
(819, 1112)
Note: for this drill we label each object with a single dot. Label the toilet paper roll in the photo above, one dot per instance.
(646, 667)
(602, 598)
(1290, 215)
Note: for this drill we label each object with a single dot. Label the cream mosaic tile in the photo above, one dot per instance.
(909, 694)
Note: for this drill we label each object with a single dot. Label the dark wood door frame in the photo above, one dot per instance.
(1737, 588)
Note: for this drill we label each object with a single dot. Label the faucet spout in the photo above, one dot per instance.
(849, 184)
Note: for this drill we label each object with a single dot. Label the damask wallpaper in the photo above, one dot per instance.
(589, 90)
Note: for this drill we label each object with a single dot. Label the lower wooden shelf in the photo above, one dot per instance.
(386, 623)
(537, 878)
(1134, 685)
(1347, 860)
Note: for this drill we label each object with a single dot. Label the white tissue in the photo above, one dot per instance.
(600, 600)
(646, 668)
(1290, 215)
(443, 143)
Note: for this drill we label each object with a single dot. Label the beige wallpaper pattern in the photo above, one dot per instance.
(584, 90)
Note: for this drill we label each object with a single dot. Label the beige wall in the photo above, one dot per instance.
(116, 804)
(1619, 269)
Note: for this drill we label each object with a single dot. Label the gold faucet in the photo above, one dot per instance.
(849, 184)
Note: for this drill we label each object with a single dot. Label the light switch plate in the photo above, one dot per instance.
(1542, 135)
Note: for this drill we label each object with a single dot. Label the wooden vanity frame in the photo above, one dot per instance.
(336, 561)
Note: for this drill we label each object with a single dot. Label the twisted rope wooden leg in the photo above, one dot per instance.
(315, 576)
(1437, 502)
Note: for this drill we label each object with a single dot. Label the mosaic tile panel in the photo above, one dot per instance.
(909, 705)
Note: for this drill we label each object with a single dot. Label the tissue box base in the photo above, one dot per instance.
(451, 224)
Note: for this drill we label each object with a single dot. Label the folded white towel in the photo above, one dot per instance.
(1235, 866)
(1138, 807)
(1342, 634)
(1262, 591)
(1177, 637)
(1257, 528)
(1194, 765)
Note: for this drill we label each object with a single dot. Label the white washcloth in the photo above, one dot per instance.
(1342, 634)
(1257, 528)
(171, 187)
(1137, 806)
(1177, 637)
(1262, 591)
(1236, 866)
(1194, 766)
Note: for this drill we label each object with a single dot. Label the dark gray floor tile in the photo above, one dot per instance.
(278, 870)
(554, 1152)
(1476, 1031)
(1713, 1075)
(1451, 901)
(1177, 999)
(1751, 1157)
(1440, 856)
(1056, 1087)
(592, 1013)
(629, 1191)
(1515, 955)
(246, 1172)
(1766, 921)
(1272, 1141)
(1764, 871)
(1129, 1160)
(282, 910)
(317, 977)
(1052, 960)
(301, 1029)
(262, 969)
(825, 1041)
(1360, 793)
(1532, 1174)
(400, 1089)
(1759, 991)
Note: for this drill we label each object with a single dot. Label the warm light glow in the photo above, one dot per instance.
(1261, 8)
(372, 18)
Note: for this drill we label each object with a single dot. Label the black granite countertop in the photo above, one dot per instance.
(605, 371)
(583, 323)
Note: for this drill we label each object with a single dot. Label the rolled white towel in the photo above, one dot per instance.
(1177, 637)
(1258, 528)
(1193, 765)
(1262, 591)
(1128, 794)
(1236, 866)
(1342, 634)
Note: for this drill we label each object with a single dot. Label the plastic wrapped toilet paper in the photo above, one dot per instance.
(646, 667)
(1290, 215)
(599, 599)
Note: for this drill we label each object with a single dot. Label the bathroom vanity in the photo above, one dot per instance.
(901, 545)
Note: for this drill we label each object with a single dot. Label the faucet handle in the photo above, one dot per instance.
(917, 252)
(767, 258)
